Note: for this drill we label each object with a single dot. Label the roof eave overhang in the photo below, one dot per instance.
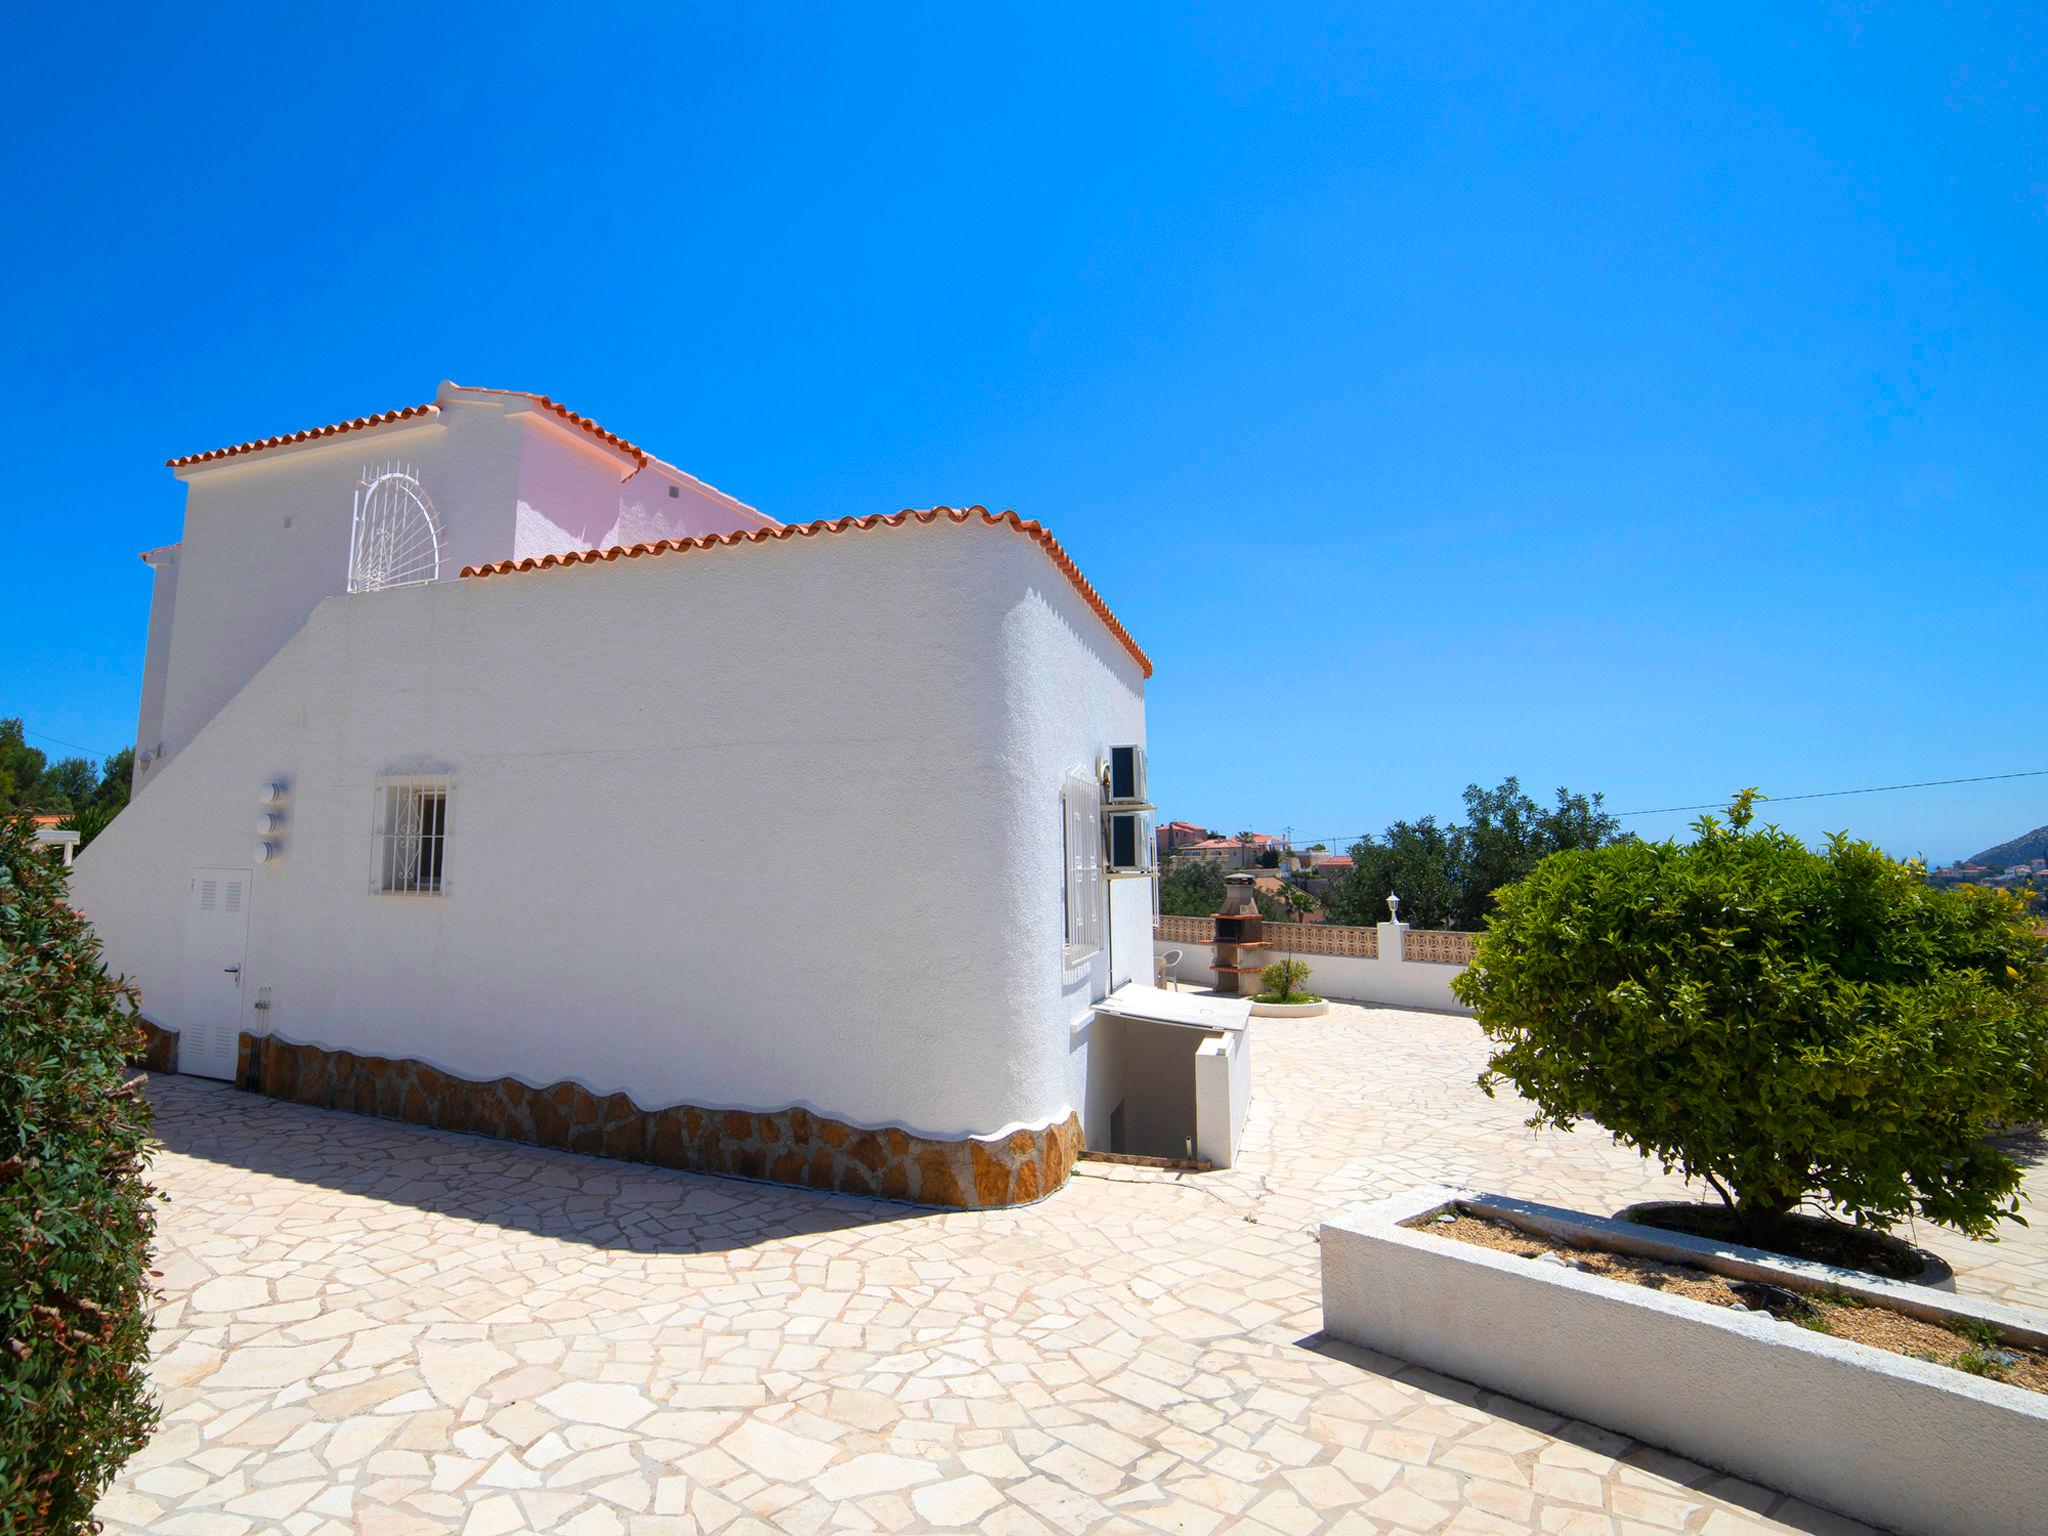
(352, 440)
(532, 413)
(1033, 530)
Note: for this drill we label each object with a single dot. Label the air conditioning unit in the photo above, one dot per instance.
(1130, 842)
(1127, 776)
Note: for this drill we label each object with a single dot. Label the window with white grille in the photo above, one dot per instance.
(396, 536)
(1081, 842)
(410, 827)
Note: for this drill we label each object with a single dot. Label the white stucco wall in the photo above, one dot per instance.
(738, 828)
(1067, 692)
(576, 496)
(267, 534)
(1223, 1095)
(266, 538)
(156, 657)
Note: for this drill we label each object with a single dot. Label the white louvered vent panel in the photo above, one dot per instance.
(234, 896)
(209, 894)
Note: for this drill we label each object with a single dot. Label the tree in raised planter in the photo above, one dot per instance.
(75, 1219)
(1784, 1023)
(1285, 981)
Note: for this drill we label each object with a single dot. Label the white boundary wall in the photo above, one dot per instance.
(1388, 983)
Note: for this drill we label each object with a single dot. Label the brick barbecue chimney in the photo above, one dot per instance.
(1240, 935)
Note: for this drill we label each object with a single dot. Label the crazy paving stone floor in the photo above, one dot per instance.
(372, 1328)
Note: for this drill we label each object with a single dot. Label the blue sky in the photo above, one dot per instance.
(1651, 403)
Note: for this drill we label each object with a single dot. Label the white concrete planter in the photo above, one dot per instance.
(1901, 1443)
(1288, 1010)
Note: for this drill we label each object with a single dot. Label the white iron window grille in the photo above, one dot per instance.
(1081, 845)
(396, 537)
(410, 837)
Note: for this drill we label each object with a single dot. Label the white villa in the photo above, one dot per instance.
(494, 774)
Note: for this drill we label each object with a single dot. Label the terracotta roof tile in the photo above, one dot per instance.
(638, 454)
(211, 455)
(633, 451)
(1031, 530)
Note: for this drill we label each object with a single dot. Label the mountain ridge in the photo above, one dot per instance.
(2019, 850)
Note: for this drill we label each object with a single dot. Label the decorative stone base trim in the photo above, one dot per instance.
(790, 1146)
(160, 1049)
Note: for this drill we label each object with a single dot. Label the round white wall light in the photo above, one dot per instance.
(265, 852)
(273, 792)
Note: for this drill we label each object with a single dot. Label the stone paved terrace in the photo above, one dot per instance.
(373, 1328)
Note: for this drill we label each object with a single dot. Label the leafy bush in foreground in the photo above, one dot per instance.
(1784, 1023)
(75, 1219)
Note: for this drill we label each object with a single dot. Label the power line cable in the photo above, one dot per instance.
(1822, 794)
(60, 741)
(1832, 794)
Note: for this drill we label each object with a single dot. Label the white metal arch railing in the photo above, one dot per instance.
(395, 539)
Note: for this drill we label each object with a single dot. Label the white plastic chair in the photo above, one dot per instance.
(1162, 970)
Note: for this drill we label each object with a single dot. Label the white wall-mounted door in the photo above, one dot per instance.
(216, 939)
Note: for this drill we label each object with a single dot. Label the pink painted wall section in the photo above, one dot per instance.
(571, 499)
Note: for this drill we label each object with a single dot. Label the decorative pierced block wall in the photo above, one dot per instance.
(1293, 938)
(1437, 948)
(1424, 946)
(1325, 939)
(790, 1146)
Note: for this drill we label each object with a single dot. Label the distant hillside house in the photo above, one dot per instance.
(1228, 852)
(494, 773)
(1176, 835)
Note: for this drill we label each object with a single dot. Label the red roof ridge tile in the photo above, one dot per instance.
(212, 455)
(632, 450)
(1031, 529)
(641, 458)
(638, 454)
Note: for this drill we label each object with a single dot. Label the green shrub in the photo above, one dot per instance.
(1784, 1023)
(1285, 981)
(75, 1219)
